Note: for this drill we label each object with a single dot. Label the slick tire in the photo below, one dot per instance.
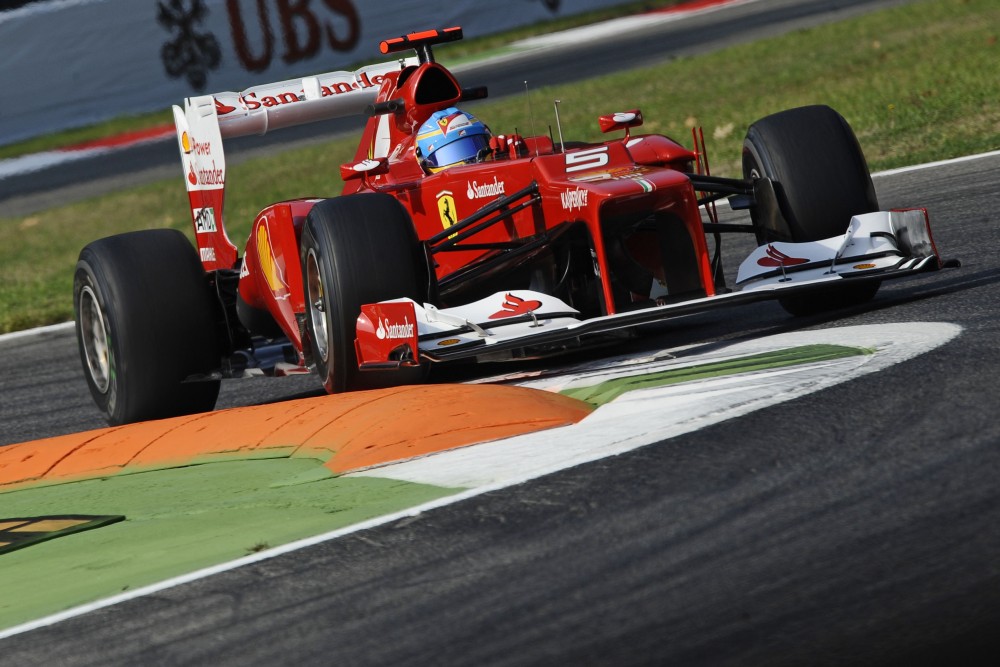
(145, 325)
(821, 180)
(356, 249)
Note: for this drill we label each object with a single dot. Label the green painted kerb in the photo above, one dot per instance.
(178, 521)
(605, 392)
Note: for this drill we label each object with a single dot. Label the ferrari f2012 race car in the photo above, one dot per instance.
(519, 247)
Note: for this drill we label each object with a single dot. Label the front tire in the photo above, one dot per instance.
(821, 180)
(145, 323)
(355, 250)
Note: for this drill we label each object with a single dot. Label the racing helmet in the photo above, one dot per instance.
(451, 137)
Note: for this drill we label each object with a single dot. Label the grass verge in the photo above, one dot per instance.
(917, 83)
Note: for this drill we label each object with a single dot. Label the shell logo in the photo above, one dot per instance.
(269, 265)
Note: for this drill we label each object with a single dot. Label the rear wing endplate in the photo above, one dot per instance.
(205, 120)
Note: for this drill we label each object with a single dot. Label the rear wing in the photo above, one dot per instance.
(205, 120)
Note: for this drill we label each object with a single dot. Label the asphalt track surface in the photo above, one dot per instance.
(856, 525)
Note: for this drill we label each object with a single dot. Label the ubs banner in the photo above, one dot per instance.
(72, 62)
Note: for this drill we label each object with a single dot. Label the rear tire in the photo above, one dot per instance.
(821, 180)
(356, 249)
(144, 323)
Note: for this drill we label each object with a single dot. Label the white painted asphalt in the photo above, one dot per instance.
(645, 416)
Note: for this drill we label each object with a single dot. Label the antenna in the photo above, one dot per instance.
(531, 118)
(562, 144)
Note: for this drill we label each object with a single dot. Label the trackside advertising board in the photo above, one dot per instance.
(69, 63)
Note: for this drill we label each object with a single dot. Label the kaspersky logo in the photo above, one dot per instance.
(573, 199)
(391, 331)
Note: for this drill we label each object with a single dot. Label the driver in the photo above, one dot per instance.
(451, 136)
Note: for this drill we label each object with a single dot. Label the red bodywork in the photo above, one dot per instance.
(625, 193)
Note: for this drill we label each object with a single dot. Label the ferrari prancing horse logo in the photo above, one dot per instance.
(446, 208)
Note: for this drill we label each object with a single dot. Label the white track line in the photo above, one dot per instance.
(939, 163)
(38, 331)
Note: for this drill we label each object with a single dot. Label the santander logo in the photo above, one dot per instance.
(222, 108)
(515, 305)
(477, 191)
(777, 258)
(394, 331)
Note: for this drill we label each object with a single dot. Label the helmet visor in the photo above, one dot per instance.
(464, 149)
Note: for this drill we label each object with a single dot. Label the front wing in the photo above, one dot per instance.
(522, 323)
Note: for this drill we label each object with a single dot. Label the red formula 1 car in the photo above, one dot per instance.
(450, 242)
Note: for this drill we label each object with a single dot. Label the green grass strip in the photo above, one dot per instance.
(605, 392)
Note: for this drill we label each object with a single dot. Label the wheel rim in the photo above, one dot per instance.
(94, 335)
(316, 296)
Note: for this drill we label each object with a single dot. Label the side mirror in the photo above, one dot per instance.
(370, 167)
(622, 120)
